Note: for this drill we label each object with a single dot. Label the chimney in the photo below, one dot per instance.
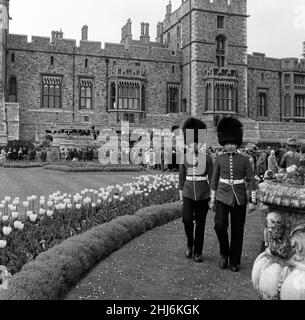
(145, 38)
(57, 35)
(126, 33)
(160, 32)
(169, 9)
(85, 33)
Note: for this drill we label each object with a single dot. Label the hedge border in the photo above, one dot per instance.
(22, 166)
(52, 273)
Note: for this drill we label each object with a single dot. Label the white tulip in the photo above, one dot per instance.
(42, 202)
(15, 215)
(49, 204)
(33, 217)
(7, 231)
(69, 206)
(99, 201)
(5, 218)
(2, 206)
(93, 205)
(67, 201)
(33, 198)
(29, 213)
(50, 213)
(42, 211)
(17, 224)
(78, 206)
(3, 244)
(16, 202)
(7, 199)
(26, 204)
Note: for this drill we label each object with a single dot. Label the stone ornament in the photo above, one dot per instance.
(279, 272)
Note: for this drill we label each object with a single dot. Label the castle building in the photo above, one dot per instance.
(198, 65)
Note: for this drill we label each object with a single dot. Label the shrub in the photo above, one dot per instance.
(53, 272)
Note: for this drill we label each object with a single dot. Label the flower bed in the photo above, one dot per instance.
(38, 224)
(52, 273)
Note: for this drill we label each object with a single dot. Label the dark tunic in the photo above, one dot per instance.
(201, 166)
(232, 167)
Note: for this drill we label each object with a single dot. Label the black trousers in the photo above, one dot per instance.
(195, 211)
(238, 219)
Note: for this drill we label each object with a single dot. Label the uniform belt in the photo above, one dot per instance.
(196, 178)
(231, 182)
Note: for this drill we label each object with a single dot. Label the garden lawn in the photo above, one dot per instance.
(153, 267)
(37, 181)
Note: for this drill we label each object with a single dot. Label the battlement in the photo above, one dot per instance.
(293, 64)
(143, 52)
(238, 7)
(259, 60)
(38, 43)
(226, 6)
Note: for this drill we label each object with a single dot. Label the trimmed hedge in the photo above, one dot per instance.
(53, 272)
(93, 169)
(22, 165)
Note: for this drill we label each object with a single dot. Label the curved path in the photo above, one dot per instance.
(153, 267)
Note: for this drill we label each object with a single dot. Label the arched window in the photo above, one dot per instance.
(220, 51)
(13, 57)
(12, 90)
(52, 60)
(287, 103)
(86, 63)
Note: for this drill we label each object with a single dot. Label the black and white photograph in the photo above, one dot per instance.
(152, 153)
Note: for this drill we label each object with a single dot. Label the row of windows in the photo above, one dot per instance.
(298, 79)
(221, 97)
(298, 106)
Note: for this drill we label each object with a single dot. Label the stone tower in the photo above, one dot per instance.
(212, 35)
(4, 29)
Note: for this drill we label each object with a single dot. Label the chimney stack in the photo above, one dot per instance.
(145, 37)
(57, 35)
(169, 9)
(85, 33)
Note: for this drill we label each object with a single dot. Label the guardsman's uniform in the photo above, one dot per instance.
(232, 175)
(194, 177)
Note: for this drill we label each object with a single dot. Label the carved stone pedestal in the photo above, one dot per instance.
(279, 272)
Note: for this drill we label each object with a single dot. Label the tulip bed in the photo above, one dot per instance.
(36, 225)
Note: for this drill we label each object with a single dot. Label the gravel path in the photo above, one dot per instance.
(153, 267)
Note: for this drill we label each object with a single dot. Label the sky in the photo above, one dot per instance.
(275, 27)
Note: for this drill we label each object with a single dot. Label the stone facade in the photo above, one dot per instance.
(180, 74)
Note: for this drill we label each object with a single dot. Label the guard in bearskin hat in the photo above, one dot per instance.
(194, 176)
(232, 174)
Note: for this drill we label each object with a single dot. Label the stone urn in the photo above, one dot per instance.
(279, 272)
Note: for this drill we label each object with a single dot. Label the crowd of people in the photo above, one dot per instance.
(261, 159)
(47, 154)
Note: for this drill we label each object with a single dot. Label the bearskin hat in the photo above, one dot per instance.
(193, 124)
(230, 130)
